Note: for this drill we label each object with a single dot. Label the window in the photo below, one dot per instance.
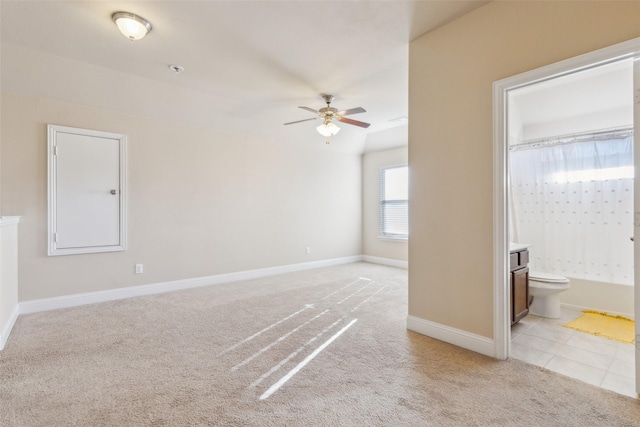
(394, 203)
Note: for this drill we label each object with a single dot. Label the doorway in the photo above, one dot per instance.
(629, 51)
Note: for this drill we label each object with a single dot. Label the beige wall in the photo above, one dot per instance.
(451, 72)
(371, 165)
(201, 202)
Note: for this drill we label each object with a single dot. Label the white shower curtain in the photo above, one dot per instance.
(573, 202)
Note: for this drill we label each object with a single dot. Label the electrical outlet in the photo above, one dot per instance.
(139, 268)
(308, 250)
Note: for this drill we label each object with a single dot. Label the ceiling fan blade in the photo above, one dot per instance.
(310, 109)
(354, 122)
(305, 120)
(351, 111)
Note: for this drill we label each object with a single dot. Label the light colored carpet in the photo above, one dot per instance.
(206, 356)
(616, 328)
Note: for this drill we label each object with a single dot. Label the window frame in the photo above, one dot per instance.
(382, 235)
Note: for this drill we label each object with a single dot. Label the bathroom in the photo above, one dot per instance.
(571, 204)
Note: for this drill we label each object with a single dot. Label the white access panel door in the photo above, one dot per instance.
(86, 191)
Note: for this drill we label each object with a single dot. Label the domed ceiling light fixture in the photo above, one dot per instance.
(131, 26)
(327, 128)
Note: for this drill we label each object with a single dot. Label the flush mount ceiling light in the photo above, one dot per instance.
(327, 129)
(132, 26)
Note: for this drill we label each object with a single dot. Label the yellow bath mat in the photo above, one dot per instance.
(604, 325)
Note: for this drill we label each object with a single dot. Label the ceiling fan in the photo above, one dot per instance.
(328, 113)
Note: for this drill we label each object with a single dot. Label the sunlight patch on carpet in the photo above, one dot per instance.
(617, 328)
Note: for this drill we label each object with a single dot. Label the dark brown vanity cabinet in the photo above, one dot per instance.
(519, 280)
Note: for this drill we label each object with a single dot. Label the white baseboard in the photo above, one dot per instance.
(580, 308)
(74, 300)
(458, 337)
(386, 261)
(8, 327)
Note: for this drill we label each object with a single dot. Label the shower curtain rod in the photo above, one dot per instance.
(601, 135)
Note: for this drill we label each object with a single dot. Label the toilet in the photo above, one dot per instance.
(545, 289)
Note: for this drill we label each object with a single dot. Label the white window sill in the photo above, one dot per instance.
(393, 239)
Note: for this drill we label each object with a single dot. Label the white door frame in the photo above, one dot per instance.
(636, 214)
(501, 290)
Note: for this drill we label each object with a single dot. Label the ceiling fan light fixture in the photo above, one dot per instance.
(131, 26)
(328, 129)
(328, 113)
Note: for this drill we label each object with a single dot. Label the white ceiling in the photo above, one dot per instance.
(248, 64)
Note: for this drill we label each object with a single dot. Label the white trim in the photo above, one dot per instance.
(501, 322)
(52, 153)
(385, 261)
(9, 220)
(74, 300)
(8, 327)
(394, 239)
(501, 288)
(458, 337)
(636, 208)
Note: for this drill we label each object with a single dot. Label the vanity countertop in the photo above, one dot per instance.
(9, 220)
(515, 247)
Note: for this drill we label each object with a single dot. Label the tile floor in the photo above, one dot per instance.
(594, 360)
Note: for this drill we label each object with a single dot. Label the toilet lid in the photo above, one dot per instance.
(546, 277)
